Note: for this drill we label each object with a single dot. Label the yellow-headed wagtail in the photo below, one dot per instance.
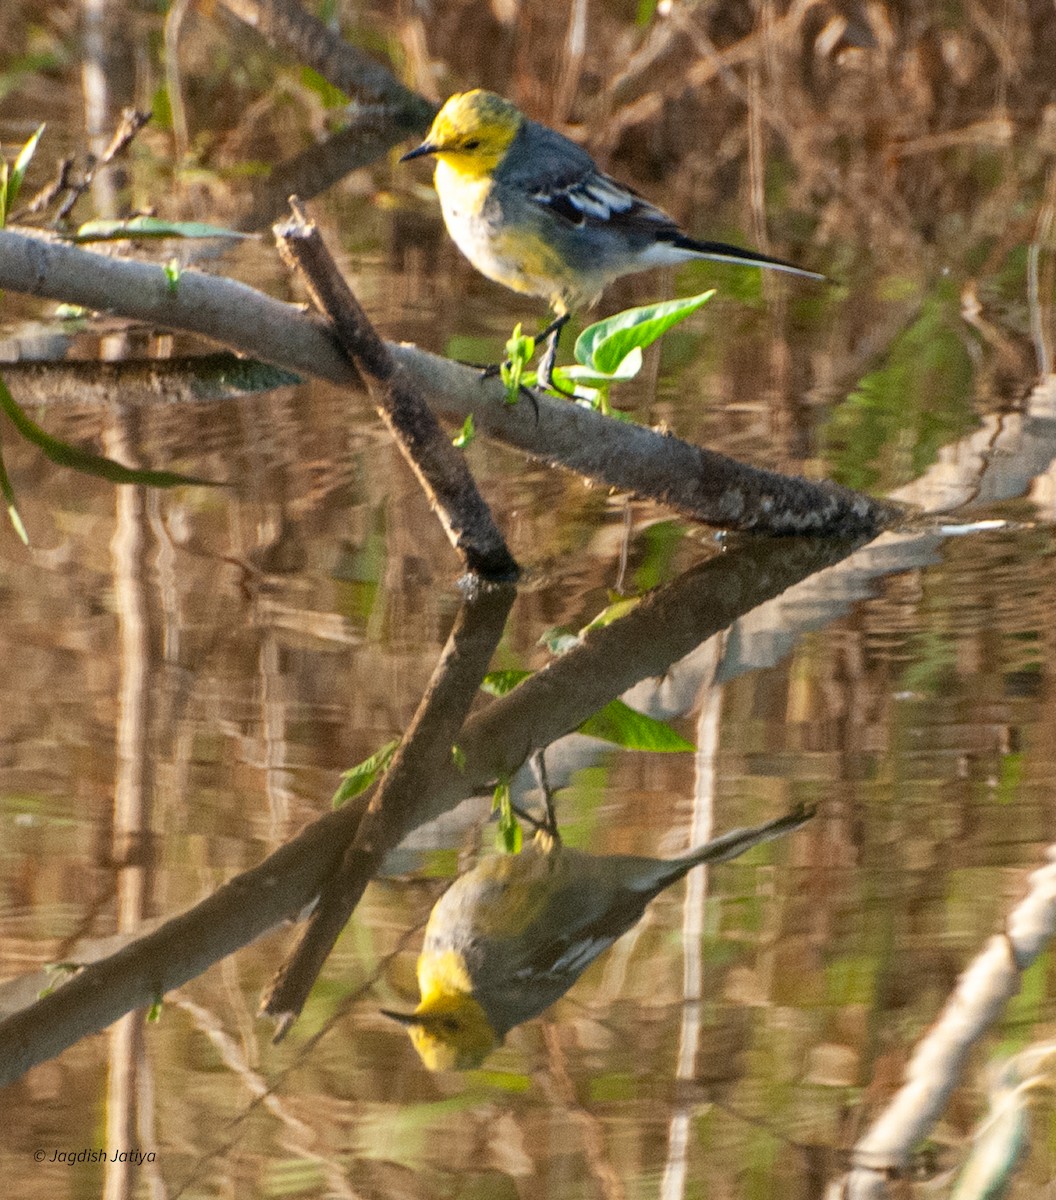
(531, 210)
(511, 936)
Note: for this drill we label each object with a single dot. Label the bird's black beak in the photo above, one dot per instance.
(420, 151)
(403, 1018)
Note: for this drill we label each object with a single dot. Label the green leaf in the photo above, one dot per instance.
(8, 492)
(66, 966)
(83, 460)
(18, 171)
(560, 378)
(604, 345)
(56, 971)
(619, 723)
(646, 11)
(511, 834)
(589, 376)
(172, 271)
(154, 1012)
(520, 346)
(458, 757)
(519, 351)
(331, 97)
(358, 778)
(498, 683)
(161, 108)
(466, 434)
(613, 612)
(509, 837)
(149, 227)
(5, 183)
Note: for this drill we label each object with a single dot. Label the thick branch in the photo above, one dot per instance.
(696, 483)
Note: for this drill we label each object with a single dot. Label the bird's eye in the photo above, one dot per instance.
(472, 144)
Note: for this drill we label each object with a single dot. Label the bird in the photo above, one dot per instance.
(513, 934)
(531, 209)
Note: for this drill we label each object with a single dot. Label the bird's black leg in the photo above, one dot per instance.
(544, 376)
(549, 822)
(552, 333)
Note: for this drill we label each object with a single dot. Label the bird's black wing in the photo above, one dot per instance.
(562, 179)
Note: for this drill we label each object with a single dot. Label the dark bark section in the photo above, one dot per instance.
(439, 467)
(695, 482)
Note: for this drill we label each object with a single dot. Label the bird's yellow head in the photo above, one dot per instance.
(450, 1031)
(471, 133)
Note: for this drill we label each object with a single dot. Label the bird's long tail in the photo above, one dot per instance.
(737, 841)
(720, 252)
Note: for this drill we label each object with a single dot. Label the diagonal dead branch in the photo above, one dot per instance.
(422, 758)
(983, 989)
(439, 467)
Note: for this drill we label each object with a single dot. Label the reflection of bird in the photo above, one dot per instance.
(510, 937)
(531, 210)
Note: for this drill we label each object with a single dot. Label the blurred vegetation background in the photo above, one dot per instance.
(908, 150)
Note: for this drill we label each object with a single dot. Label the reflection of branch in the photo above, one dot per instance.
(143, 382)
(288, 26)
(422, 756)
(663, 628)
(72, 186)
(439, 467)
(560, 1089)
(129, 1113)
(300, 1136)
(997, 460)
(697, 483)
(981, 993)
